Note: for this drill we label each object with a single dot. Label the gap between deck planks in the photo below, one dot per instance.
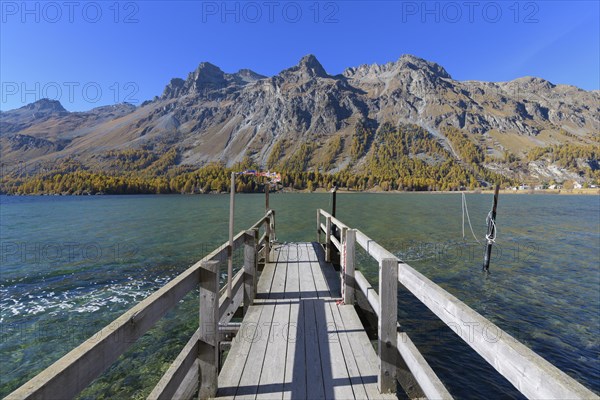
(296, 342)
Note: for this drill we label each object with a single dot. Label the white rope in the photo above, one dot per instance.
(465, 210)
(491, 234)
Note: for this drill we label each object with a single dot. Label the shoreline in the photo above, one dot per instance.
(578, 192)
(562, 192)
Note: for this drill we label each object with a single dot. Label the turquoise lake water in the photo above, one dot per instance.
(70, 265)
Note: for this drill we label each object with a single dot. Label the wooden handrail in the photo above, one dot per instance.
(171, 380)
(73, 372)
(334, 220)
(336, 243)
(374, 249)
(428, 381)
(532, 375)
(261, 221)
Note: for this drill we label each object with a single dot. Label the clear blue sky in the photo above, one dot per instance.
(86, 54)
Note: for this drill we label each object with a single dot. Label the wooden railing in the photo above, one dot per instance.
(197, 364)
(533, 376)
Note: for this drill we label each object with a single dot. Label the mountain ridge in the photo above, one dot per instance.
(214, 116)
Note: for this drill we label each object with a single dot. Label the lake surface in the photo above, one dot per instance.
(71, 265)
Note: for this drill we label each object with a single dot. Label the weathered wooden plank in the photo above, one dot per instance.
(248, 385)
(335, 374)
(315, 388)
(334, 220)
(428, 381)
(336, 379)
(189, 385)
(347, 352)
(351, 361)
(263, 288)
(231, 373)
(261, 221)
(307, 283)
(250, 268)
(363, 352)
(295, 363)
(387, 322)
(331, 275)
(272, 221)
(272, 377)
(315, 380)
(336, 243)
(277, 289)
(374, 249)
(348, 256)
(268, 239)
(173, 378)
(368, 290)
(323, 227)
(208, 342)
(328, 239)
(227, 306)
(320, 283)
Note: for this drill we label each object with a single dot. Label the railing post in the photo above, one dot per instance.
(388, 318)
(273, 235)
(208, 346)
(267, 197)
(249, 268)
(256, 239)
(267, 238)
(328, 240)
(349, 236)
(318, 225)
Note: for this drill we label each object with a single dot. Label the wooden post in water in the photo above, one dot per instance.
(208, 343)
(230, 249)
(491, 232)
(249, 268)
(334, 193)
(388, 319)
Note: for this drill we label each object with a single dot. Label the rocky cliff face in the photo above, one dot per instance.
(216, 116)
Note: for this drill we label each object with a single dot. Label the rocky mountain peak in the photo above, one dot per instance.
(310, 64)
(46, 106)
(206, 78)
(405, 64)
(207, 75)
(247, 75)
(409, 61)
(308, 68)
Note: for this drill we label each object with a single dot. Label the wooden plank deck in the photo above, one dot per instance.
(296, 342)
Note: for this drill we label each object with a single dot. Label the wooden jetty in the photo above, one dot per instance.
(300, 336)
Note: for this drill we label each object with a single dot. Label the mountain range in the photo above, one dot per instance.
(213, 116)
